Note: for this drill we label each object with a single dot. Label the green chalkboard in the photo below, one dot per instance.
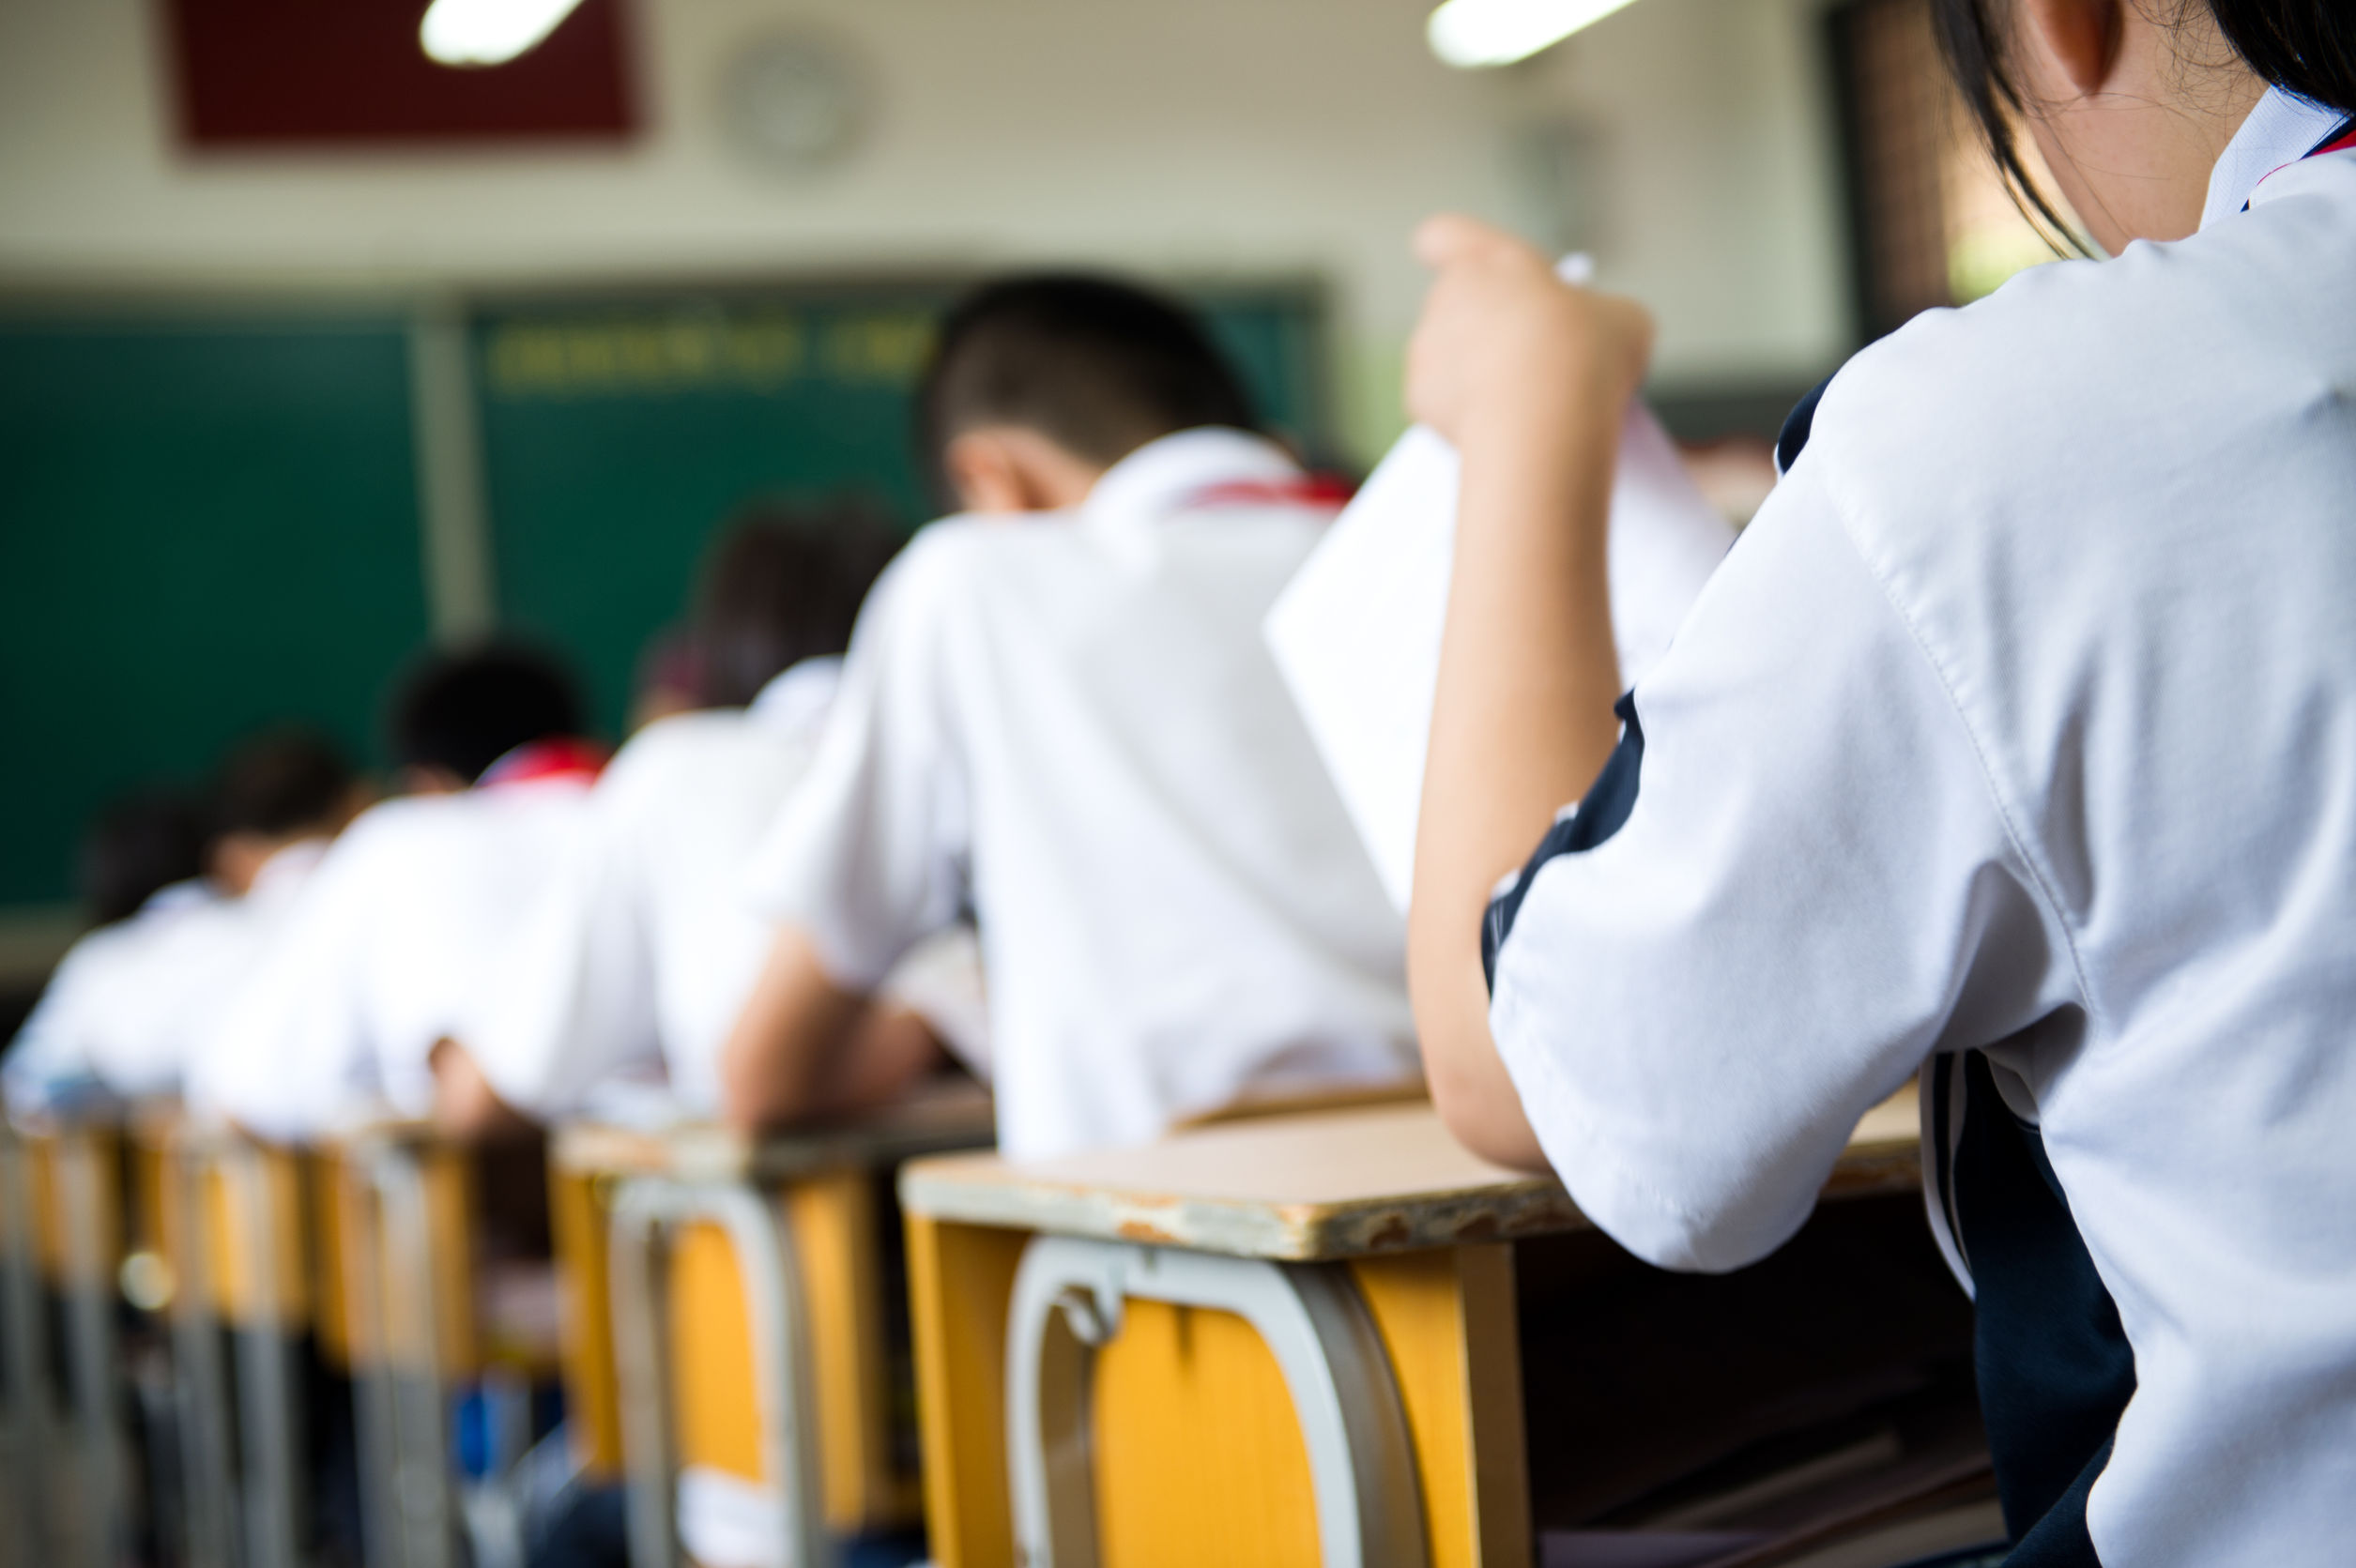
(211, 521)
(203, 527)
(618, 433)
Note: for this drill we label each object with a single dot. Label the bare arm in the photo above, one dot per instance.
(465, 1106)
(805, 1046)
(1531, 380)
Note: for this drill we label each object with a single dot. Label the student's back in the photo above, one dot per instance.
(1069, 719)
(411, 912)
(130, 1004)
(641, 950)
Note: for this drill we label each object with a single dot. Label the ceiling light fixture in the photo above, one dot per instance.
(488, 32)
(1472, 33)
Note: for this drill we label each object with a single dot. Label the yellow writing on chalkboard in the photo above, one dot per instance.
(745, 351)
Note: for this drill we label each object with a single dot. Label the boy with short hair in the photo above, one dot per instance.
(354, 1008)
(206, 891)
(1057, 711)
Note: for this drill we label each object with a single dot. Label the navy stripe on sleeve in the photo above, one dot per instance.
(1608, 801)
(1798, 426)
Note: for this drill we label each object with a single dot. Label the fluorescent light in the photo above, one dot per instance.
(488, 32)
(1475, 32)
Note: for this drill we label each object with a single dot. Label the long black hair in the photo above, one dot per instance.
(2306, 46)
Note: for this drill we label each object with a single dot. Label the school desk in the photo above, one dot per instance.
(730, 1308)
(1298, 1340)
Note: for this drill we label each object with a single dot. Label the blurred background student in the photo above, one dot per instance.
(188, 896)
(408, 917)
(640, 954)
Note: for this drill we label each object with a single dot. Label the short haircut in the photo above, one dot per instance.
(139, 846)
(1097, 366)
(280, 783)
(464, 710)
(780, 585)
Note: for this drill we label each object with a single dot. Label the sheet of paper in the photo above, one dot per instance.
(1357, 634)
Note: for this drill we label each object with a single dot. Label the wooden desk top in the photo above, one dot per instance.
(1335, 1184)
(943, 1114)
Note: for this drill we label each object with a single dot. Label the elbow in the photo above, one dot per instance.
(1486, 1117)
(754, 1097)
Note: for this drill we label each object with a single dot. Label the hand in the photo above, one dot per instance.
(1502, 340)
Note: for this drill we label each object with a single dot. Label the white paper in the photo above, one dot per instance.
(1356, 633)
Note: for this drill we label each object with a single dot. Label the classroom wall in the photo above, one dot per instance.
(1218, 136)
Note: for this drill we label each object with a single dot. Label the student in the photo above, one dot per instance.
(128, 1004)
(642, 949)
(353, 1010)
(1057, 711)
(2015, 742)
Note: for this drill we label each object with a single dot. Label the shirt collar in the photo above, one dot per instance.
(2283, 128)
(1158, 477)
(285, 870)
(796, 699)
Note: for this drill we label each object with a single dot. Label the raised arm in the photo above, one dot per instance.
(1531, 379)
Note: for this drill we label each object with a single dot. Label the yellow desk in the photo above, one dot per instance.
(728, 1306)
(1299, 1340)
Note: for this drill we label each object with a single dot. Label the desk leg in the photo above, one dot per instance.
(27, 1352)
(202, 1382)
(409, 1362)
(1068, 1302)
(84, 1191)
(272, 1443)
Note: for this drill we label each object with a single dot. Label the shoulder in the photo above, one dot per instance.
(686, 757)
(2078, 375)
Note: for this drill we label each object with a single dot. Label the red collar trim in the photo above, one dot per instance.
(561, 757)
(1309, 489)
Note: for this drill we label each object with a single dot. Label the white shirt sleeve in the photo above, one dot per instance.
(292, 1049)
(870, 853)
(577, 1004)
(1812, 888)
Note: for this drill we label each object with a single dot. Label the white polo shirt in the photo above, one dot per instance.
(408, 922)
(130, 1002)
(640, 953)
(1072, 723)
(2022, 719)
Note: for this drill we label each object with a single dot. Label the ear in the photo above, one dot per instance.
(987, 472)
(426, 778)
(1009, 468)
(2080, 37)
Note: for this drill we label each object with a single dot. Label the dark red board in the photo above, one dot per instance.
(256, 74)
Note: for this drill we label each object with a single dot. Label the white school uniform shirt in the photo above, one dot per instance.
(2023, 718)
(409, 920)
(643, 948)
(1071, 722)
(130, 1002)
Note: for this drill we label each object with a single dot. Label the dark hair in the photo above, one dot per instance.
(139, 846)
(464, 710)
(780, 585)
(280, 782)
(1098, 367)
(2306, 46)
